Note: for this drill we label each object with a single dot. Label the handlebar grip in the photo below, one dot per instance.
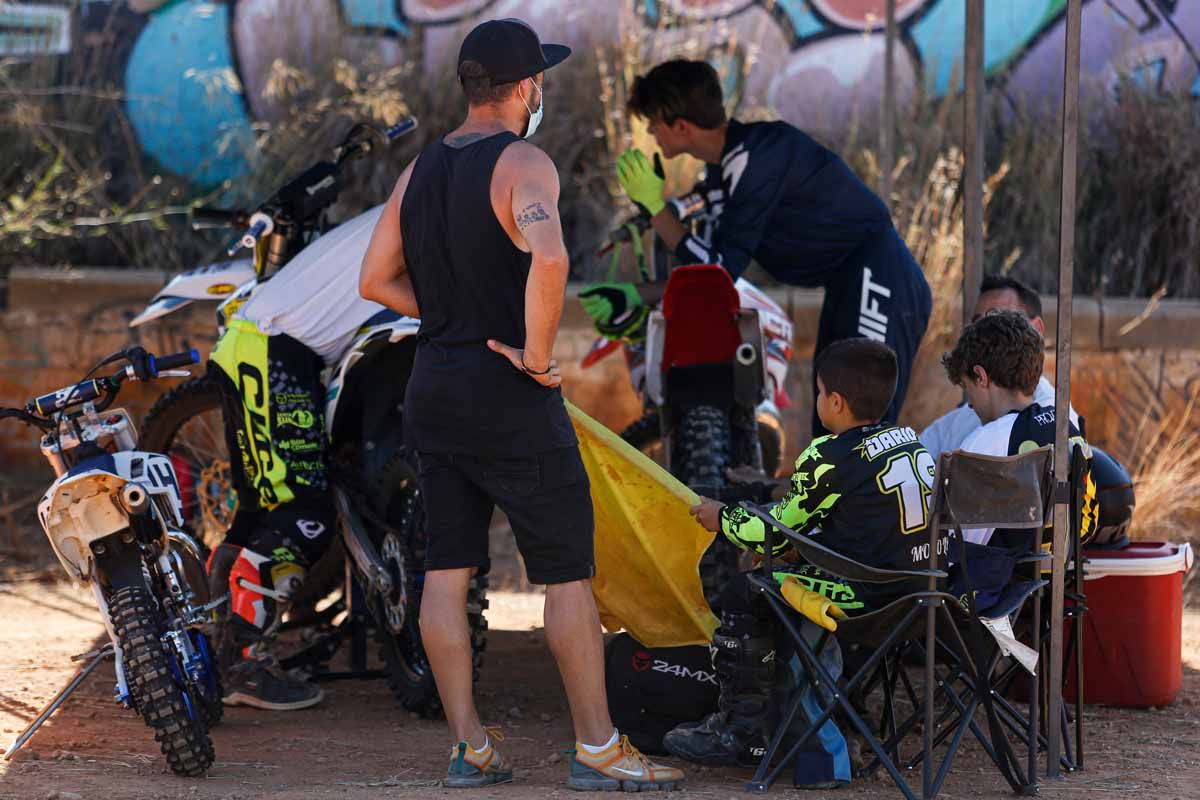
(159, 363)
(204, 218)
(69, 396)
(400, 128)
(260, 226)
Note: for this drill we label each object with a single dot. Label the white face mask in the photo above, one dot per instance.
(535, 117)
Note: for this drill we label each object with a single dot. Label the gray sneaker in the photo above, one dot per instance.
(253, 683)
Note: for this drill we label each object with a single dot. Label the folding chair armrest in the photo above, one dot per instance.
(1013, 598)
(832, 561)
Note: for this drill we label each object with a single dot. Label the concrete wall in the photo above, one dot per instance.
(57, 323)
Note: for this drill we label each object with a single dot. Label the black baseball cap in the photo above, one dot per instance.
(509, 50)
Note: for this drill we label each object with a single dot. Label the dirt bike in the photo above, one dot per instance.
(711, 372)
(115, 521)
(379, 555)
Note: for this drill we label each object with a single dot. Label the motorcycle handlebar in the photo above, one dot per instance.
(684, 208)
(206, 218)
(143, 366)
(25, 416)
(351, 149)
(400, 128)
(260, 225)
(174, 360)
(621, 234)
(66, 397)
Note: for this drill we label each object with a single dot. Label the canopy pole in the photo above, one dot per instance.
(887, 127)
(972, 187)
(1062, 378)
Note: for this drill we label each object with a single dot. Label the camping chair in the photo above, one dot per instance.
(971, 490)
(975, 497)
(1071, 757)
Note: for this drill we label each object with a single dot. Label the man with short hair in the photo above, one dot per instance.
(997, 292)
(773, 195)
(470, 243)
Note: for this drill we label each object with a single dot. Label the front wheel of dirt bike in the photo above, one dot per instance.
(186, 424)
(701, 452)
(402, 548)
(157, 691)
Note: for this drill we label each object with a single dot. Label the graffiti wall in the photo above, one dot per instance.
(197, 73)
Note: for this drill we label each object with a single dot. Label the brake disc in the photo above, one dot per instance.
(395, 603)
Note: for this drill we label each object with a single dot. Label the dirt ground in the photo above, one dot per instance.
(359, 745)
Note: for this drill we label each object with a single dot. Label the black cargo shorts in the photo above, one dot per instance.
(546, 497)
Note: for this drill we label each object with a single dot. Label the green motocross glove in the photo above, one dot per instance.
(642, 181)
(617, 310)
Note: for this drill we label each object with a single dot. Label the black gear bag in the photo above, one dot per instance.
(653, 689)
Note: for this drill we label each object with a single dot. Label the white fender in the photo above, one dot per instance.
(212, 282)
(84, 505)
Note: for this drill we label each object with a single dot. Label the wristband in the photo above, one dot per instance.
(528, 371)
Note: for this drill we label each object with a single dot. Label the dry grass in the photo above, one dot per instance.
(932, 226)
(1163, 449)
(1144, 409)
(68, 155)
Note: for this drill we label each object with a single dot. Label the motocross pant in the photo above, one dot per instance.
(272, 406)
(882, 295)
(260, 580)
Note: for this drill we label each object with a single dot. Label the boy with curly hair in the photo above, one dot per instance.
(998, 363)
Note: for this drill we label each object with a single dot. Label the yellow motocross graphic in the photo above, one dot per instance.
(280, 434)
(648, 547)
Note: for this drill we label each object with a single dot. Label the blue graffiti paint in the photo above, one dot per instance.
(1007, 28)
(183, 96)
(379, 14)
(799, 13)
(1149, 76)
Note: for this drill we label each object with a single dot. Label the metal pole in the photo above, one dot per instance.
(887, 127)
(1062, 380)
(972, 187)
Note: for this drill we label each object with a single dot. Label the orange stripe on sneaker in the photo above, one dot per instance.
(614, 759)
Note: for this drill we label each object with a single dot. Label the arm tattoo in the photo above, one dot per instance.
(534, 212)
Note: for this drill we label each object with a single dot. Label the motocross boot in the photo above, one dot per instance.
(738, 733)
(248, 624)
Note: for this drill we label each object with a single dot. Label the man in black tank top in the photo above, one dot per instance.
(471, 244)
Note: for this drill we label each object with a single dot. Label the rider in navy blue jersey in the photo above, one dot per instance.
(775, 196)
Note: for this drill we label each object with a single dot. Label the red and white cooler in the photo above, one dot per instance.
(1133, 631)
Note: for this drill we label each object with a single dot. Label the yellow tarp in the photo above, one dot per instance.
(648, 547)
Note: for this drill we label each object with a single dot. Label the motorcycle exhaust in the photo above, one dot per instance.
(134, 499)
(182, 540)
